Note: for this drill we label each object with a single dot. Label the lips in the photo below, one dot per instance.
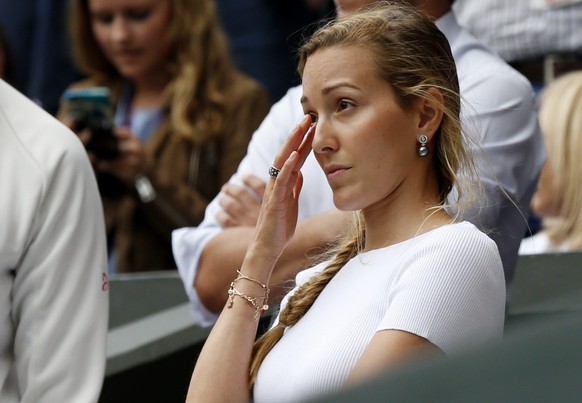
(334, 172)
(126, 54)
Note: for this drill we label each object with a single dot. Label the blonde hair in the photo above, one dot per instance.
(560, 119)
(413, 56)
(195, 100)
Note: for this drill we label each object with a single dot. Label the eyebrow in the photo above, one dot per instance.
(327, 90)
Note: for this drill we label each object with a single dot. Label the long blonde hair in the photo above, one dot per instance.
(195, 99)
(413, 56)
(560, 119)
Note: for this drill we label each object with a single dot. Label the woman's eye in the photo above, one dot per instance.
(138, 14)
(344, 105)
(102, 18)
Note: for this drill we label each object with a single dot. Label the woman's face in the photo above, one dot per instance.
(546, 200)
(364, 141)
(133, 34)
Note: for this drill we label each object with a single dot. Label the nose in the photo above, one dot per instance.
(324, 141)
(119, 29)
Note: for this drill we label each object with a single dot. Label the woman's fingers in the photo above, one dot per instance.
(305, 147)
(293, 142)
(278, 216)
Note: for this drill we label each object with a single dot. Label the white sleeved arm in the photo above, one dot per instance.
(188, 243)
(60, 289)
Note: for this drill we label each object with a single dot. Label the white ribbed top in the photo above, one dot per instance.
(446, 285)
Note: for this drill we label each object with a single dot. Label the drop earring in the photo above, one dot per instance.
(422, 148)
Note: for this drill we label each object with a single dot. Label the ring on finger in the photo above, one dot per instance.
(274, 172)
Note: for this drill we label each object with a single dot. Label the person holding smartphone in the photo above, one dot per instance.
(183, 116)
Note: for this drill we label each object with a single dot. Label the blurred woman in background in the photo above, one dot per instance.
(558, 200)
(183, 117)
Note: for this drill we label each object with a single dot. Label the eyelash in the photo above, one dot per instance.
(138, 15)
(133, 15)
(341, 106)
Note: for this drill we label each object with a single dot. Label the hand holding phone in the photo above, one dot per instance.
(92, 108)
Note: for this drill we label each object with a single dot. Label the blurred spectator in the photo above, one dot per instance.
(558, 199)
(264, 36)
(53, 262)
(540, 38)
(36, 32)
(184, 116)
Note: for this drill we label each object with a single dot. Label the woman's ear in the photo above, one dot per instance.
(430, 112)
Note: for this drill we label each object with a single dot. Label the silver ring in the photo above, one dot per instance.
(274, 172)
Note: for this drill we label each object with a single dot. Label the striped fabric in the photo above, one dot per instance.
(524, 29)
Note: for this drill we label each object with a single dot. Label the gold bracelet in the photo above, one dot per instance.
(259, 309)
(232, 292)
(243, 277)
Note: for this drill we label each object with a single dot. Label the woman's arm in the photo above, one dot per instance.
(388, 349)
(222, 371)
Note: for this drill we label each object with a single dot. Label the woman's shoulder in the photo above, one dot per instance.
(457, 253)
(462, 233)
(459, 244)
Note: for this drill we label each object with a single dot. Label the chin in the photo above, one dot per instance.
(343, 204)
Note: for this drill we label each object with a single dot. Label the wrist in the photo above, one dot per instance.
(258, 266)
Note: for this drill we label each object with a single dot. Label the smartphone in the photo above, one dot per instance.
(92, 108)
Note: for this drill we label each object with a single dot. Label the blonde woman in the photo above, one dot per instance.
(380, 94)
(183, 114)
(558, 199)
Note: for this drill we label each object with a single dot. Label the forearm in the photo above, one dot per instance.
(224, 254)
(222, 369)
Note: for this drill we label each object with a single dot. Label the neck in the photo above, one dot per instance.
(408, 211)
(390, 229)
(148, 92)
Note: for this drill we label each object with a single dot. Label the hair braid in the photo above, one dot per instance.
(304, 297)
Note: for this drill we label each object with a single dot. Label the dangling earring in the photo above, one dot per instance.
(422, 149)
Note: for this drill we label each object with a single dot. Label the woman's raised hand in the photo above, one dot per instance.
(278, 216)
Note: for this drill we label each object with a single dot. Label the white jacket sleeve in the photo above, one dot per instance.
(188, 243)
(59, 296)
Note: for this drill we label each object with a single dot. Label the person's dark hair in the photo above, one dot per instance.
(414, 57)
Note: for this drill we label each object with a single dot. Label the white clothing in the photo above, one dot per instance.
(541, 243)
(446, 285)
(499, 105)
(315, 198)
(53, 262)
(524, 29)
